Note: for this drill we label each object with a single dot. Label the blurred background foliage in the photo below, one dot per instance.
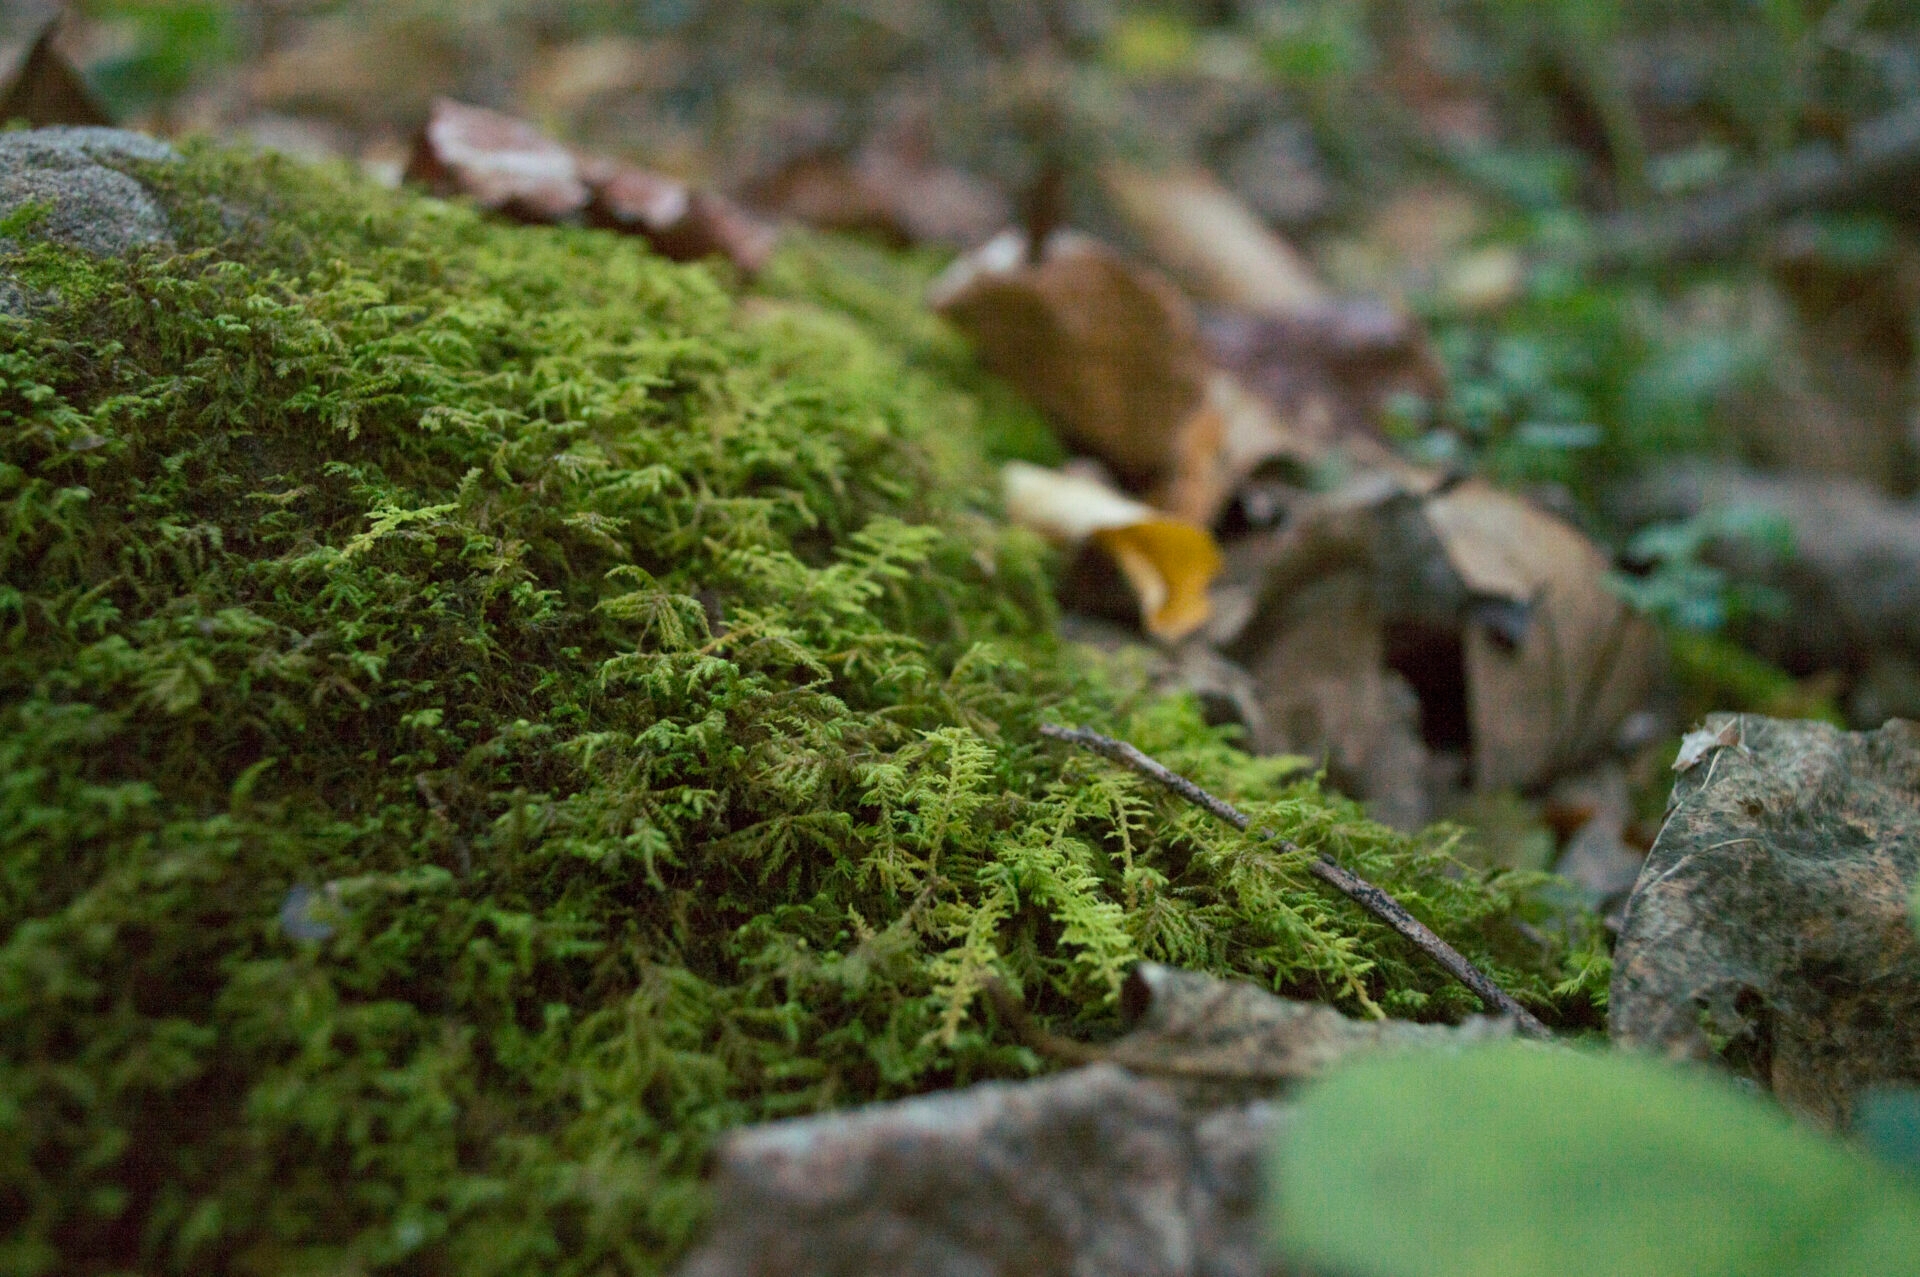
(1481, 163)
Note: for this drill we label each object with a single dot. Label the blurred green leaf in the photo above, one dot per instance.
(1887, 1121)
(1679, 588)
(167, 44)
(1518, 1160)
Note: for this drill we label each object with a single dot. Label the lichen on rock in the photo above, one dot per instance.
(1769, 927)
(484, 710)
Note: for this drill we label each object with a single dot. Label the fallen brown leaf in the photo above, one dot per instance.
(1408, 632)
(1222, 442)
(507, 166)
(1326, 689)
(682, 223)
(504, 165)
(1331, 371)
(1212, 242)
(1105, 347)
(1554, 659)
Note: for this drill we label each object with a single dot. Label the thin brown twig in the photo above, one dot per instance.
(1345, 881)
(1812, 176)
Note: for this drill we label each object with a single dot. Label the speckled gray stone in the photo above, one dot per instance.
(1144, 1163)
(1770, 926)
(77, 172)
(1091, 1171)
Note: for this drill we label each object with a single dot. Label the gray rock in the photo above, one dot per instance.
(1144, 1163)
(1770, 925)
(1224, 1042)
(1852, 583)
(77, 173)
(1095, 1171)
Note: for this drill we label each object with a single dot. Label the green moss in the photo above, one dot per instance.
(483, 710)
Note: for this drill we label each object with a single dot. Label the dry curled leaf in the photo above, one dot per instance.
(1168, 562)
(682, 223)
(1700, 742)
(1212, 242)
(1106, 348)
(1222, 442)
(1328, 371)
(1554, 659)
(509, 167)
(504, 165)
(1494, 613)
(1326, 687)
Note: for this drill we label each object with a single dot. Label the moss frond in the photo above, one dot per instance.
(484, 710)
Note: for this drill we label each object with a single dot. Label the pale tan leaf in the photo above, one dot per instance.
(1167, 562)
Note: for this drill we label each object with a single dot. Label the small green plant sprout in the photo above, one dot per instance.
(1679, 587)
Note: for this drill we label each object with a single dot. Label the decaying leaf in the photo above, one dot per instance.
(1327, 690)
(1212, 242)
(1105, 347)
(1554, 659)
(682, 223)
(509, 167)
(1168, 562)
(1221, 444)
(1701, 741)
(505, 165)
(1407, 631)
(1109, 350)
(1329, 371)
(1327, 365)
(46, 89)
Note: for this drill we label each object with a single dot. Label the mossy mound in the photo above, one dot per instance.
(483, 710)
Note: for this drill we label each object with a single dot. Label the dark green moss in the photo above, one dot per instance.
(483, 710)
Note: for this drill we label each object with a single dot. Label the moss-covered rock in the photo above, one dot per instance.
(483, 710)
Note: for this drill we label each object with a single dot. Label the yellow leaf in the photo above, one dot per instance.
(1168, 562)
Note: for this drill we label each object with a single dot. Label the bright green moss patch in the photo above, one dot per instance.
(483, 710)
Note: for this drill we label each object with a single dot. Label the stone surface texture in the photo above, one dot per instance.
(1094, 1171)
(1144, 1163)
(1770, 925)
(76, 172)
